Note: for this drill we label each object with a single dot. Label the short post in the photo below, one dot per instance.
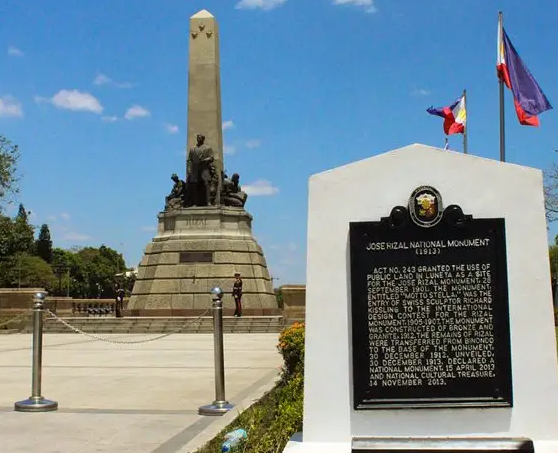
(36, 403)
(220, 406)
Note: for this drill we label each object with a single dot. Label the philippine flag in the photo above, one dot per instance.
(455, 116)
(528, 97)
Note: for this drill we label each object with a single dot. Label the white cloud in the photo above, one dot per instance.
(228, 149)
(74, 100)
(76, 237)
(227, 125)
(420, 92)
(14, 52)
(262, 4)
(292, 247)
(102, 79)
(109, 119)
(171, 128)
(254, 143)
(65, 216)
(367, 4)
(260, 188)
(10, 106)
(149, 229)
(136, 111)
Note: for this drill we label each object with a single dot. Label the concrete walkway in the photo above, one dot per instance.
(128, 398)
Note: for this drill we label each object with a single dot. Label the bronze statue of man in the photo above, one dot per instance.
(199, 169)
(177, 196)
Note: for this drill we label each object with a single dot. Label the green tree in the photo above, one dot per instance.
(24, 233)
(6, 237)
(92, 271)
(43, 245)
(101, 266)
(9, 155)
(16, 235)
(279, 297)
(22, 214)
(553, 256)
(68, 270)
(26, 271)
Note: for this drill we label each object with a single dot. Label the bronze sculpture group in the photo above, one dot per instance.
(203, 182)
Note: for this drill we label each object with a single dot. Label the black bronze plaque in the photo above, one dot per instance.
(196, 257)
(169, 223)
(430, 316)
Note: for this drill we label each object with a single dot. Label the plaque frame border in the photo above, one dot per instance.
(453, 215)
(207, 257)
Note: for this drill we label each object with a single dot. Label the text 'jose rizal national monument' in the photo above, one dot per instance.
(204, 234)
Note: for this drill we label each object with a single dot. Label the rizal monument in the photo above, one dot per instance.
(204, 233)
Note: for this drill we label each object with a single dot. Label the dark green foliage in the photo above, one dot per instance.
(92, 271)
(9, 156)
(26, 271)
(16, 235)
(272, 420)
(22, 214)
(43, 245)
(279, 297)
(6, 237)
(24, 233)
(16, 244)
(553, 256)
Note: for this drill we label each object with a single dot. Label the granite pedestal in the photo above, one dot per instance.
(196, 249)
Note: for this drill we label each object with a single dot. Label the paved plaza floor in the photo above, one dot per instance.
(140, 398)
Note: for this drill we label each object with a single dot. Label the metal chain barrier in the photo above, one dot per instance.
(37, 403)
(146, 340)
(16, 318)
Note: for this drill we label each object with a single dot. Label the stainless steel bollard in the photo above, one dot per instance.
(220, 406)
(36, 403)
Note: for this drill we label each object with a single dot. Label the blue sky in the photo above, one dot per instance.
(94, 93)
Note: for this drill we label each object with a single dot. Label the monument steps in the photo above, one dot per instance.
(145, 325)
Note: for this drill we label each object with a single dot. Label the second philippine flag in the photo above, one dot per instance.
(455, 116)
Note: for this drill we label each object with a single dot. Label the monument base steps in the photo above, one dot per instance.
(195, 250)
(158, 325)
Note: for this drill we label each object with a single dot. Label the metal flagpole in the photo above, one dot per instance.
(501, 83)
(466, 127)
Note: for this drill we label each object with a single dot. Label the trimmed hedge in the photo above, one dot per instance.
(271, 421)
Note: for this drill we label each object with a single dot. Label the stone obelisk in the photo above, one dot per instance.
(204, 85)
(200, 246)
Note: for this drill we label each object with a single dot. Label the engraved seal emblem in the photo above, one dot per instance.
(425, 206)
